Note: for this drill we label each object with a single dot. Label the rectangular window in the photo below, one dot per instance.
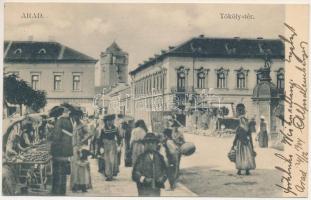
(57, 82)
(76, 83)
(35, 81)
(150, 85)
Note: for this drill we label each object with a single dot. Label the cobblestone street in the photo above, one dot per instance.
(121, 186)
(208, 172)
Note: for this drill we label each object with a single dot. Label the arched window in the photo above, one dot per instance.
(241, 80)
(181, 80)
(221, 80)
(280, 80)
(201, 80)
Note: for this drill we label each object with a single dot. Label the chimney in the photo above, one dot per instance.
(201, 36)
(30, 38)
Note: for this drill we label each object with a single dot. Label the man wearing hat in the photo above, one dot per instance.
(110, 140)
(62, 150)
(149, 171)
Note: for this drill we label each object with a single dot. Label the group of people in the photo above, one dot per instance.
(69, 151)
(155, 157)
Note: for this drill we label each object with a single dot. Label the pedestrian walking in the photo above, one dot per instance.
(252, 125)
(127, 146)
(137, 136)
(118, 123)
(110, 141)
(243, 145)
(95, 134)
(61, 150)
(263, 134)
(80, 178)
(149, 171)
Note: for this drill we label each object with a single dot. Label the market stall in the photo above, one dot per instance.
(31, 167)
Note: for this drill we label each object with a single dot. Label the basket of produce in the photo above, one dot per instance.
(187, 149)
(34, 156)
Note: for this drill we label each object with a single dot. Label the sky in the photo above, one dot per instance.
(142, 30)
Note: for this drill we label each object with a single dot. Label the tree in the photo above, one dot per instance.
(39, 100)
(18, 92)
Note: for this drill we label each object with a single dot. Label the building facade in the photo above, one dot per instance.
(205, 72)
(64, 73)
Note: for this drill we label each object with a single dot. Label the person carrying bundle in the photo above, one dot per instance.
(174, 141)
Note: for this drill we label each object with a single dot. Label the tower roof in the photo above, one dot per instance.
(114, 48)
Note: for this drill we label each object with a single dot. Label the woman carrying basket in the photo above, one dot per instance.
(243, 145)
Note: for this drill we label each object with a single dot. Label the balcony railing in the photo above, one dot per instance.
(182, 90)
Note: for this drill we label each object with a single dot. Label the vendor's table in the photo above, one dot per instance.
(36, 175)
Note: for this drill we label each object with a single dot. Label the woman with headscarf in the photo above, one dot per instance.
(137, 136)
(243, 144)
(80, 171)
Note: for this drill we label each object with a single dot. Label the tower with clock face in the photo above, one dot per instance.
(113, 66)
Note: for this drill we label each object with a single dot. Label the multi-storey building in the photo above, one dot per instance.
(214, 71)
(64, 73)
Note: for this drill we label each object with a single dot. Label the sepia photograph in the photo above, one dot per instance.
(155, 99)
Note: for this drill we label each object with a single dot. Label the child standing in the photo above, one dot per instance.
(83, 180)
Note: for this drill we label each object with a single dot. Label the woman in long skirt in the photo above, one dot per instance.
(80, 178)
(111, 141)
(263, 134)
(245, 155)
(137, 136)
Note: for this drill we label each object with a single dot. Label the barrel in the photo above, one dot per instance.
(187, 149)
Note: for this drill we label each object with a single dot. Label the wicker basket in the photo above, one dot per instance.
(232, 155)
